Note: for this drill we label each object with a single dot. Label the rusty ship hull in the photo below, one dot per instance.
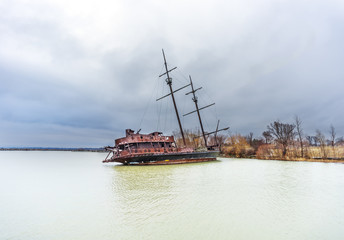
(166, 158)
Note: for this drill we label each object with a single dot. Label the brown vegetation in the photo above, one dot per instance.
(281, 141)
(236, 145)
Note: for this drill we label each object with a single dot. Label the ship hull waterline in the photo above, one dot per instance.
(166, 158)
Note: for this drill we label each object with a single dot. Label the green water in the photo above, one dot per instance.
(72, 195)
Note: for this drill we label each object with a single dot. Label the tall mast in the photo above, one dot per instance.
(169, 83)
(193, 91)
(197, 109)
(217, 129)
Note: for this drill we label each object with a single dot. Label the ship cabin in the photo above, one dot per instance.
(137, 144)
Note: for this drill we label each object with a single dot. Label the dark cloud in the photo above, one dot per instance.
(78, 74)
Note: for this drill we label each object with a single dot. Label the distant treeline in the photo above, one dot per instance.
(285, 141)
(52, 149)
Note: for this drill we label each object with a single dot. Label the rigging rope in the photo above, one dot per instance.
(159, 94)
(149, 100)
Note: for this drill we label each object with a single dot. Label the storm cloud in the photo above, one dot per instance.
(77, 73)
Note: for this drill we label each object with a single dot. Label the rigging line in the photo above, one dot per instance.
(186, 78)
(150, 99)
(204, 114)
(148, 104)
(173, 118)
(211, 99)
(158, 112)
(217, 117)
(163, 119)
(178, 72)
(213, 110)
(162, 115)
(166, 108)
(158, 108)
(170, 118)
(202, 94)
(159, 124)
(183, 110)
(159, 105)
(206, 122)
(201, 102)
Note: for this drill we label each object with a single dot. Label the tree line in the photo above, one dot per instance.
(280, 140)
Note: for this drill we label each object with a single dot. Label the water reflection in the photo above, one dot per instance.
(152, 198)
(138, 189)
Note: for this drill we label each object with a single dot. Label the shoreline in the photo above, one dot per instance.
(222, 155)
(56, 149)
(307, 160)
(292, 160)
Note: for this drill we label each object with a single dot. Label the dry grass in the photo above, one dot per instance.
(326, 152)
(236, 145)
(311, 154)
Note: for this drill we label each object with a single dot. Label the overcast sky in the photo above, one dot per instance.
(78, 73)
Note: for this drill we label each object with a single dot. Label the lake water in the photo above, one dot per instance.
(73, 195)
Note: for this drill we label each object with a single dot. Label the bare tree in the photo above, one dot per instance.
(283, 133)
(322, 141)
(333, 135)
(333, 139)
(340, 141)
(299, 132)
(316, 141)
(310, 140)
(268, 137)
(221, 139)
(249, 138)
